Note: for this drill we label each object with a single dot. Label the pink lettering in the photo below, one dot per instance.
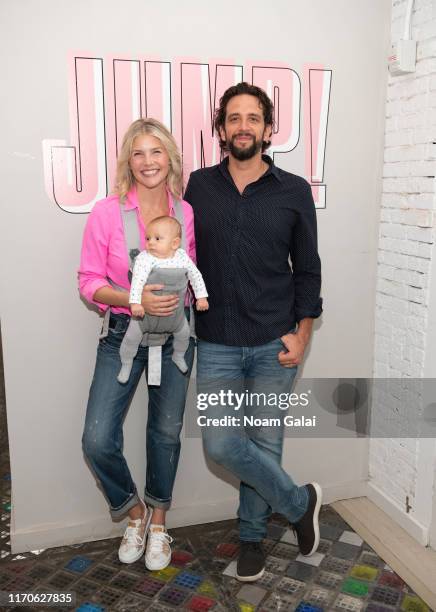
(106, 96)
(317, 84)
(76, 173)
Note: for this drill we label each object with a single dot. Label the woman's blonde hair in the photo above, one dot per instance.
(125, 179)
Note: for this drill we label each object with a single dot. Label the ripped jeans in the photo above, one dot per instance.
(107, 406)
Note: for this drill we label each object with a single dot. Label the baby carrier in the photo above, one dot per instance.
(175, 284)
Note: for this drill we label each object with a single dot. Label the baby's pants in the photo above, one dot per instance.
(134, 334)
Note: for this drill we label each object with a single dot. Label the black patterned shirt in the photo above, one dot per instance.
(244, 243)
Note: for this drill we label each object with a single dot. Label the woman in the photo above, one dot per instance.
(149, 179)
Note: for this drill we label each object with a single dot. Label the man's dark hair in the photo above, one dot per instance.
(237, 90)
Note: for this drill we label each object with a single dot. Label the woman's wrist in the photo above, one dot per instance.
(112, 297)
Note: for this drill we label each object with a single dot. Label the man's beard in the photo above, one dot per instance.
(245, 153)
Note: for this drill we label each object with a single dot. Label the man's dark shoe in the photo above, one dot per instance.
(307, 528)
(251, 562)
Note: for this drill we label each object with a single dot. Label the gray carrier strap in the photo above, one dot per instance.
(107, 315)
(132, 240)
(132, 237)
(105, 327)
(178, 214)
(154, 365)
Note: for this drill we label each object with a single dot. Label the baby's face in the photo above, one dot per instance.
(161, 241)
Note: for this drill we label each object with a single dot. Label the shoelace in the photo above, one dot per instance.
(157, 541)
(132, 535)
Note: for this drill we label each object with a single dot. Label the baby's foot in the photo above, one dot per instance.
(180, 363)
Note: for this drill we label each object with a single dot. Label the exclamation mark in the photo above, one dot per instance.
(317, 85)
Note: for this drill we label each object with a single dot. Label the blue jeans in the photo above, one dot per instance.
(107, 406)
(252, 452)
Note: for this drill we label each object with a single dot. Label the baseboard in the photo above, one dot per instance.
(419, 532)
(344, 490)
(51, 535)
(102, 527)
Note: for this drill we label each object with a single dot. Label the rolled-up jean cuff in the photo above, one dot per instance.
(253, 540)
(132, 501)
(164, 504)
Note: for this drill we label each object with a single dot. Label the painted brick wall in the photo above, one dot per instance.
(405, 252)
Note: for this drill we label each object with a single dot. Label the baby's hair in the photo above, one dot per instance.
(170, 221)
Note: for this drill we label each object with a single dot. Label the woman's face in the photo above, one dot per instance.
(149, 161)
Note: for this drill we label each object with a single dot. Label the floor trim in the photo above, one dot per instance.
(413, 562)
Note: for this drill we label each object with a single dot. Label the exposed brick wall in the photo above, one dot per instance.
(405, 248)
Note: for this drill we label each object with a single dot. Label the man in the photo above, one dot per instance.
(250, 218)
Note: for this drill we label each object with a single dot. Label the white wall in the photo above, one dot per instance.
(49, 336)
(403, 467)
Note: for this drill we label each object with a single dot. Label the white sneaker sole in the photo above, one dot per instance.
(154, 567)
(318, 490)
(132, 559)
(250, 578)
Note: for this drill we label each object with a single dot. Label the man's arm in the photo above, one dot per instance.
(306, 272)
(306, 264)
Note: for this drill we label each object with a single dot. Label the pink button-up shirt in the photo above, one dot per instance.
(104, 253)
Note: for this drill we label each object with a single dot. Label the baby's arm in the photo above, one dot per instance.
(197, 283)
(141, 272)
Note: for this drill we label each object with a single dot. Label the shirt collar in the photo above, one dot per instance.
(272, 168)
(132, 200)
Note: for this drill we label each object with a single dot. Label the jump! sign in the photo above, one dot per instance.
(107, 94)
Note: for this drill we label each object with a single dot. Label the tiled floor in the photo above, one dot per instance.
(345, 574)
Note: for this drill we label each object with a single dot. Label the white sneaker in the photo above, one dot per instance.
(158, 553)
(133, 543)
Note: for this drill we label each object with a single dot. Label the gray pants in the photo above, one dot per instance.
(153, 330)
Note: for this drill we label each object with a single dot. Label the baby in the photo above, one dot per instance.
(162, 251)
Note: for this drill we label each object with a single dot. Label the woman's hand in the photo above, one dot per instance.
(159, 305)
